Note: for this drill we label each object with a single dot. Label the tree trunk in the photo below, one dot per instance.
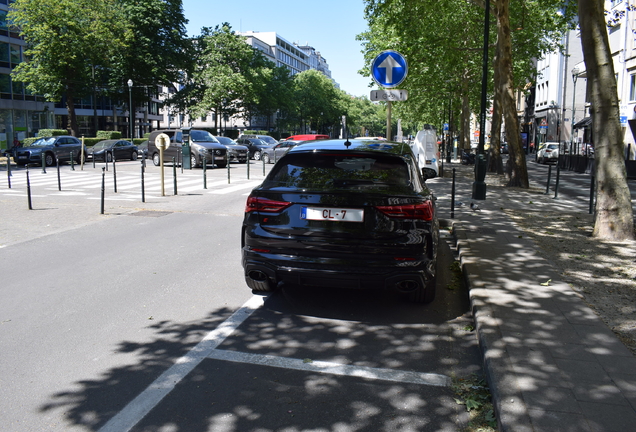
(614, 218)
(465, 117)
(72, 118)
(496, 164)
(517, 157)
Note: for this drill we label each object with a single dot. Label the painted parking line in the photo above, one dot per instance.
(139, 407)
(330, 368)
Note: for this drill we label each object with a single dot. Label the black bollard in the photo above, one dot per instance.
(453, 196)
(592, 179)
(547, 186)
(9, 171)
(43, 163)
(228, 170)
(263, 160)
(248, 166)
(59, 181)
(114, 174)
(556, 183)
(103, 189)
(143, 192)
(174, 174)
(205, 167)
(72, 162)
(28, 187)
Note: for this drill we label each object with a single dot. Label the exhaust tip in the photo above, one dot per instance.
(407, 285)
(257, 276)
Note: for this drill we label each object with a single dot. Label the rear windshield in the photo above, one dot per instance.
(333, 172)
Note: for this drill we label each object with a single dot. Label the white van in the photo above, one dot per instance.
(426, 151)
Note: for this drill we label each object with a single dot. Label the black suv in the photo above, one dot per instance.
(349, 214)
(61, 148)
(254, 146)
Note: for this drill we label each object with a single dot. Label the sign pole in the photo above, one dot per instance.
(388, 120)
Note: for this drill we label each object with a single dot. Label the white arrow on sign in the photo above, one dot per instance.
(389, 63)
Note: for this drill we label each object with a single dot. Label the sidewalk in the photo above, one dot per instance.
(551, 363)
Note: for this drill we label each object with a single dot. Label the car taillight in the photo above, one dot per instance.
(265, 205)
(423, 211)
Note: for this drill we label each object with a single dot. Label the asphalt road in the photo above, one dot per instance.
(139, 319)
(571, 185)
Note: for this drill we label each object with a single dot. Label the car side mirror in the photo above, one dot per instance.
(428, 173)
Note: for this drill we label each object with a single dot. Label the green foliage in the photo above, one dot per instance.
(66, 40)
(52, 132)
(104, 135)
(474, 394)
(442, 42)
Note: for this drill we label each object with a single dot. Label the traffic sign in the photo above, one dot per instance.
(389, 95)
(389, 69)
(162, 141)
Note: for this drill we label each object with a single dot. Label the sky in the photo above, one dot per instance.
(330, 26)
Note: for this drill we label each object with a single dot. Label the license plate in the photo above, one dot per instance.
(332, 214)
(219, 158)
(22, 157)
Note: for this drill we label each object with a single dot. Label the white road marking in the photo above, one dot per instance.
(139, 407)
(437, 380)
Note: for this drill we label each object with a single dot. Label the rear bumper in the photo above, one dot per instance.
(327, 274)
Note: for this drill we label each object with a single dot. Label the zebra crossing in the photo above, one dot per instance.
(88, 183)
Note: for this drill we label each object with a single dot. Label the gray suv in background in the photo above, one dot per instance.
(201, 143)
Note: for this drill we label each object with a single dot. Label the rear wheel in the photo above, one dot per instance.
(155, 159)
(134, 155)
(49, 159)
(109, 157)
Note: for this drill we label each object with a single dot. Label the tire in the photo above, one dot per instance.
(257, 155)
(265, 158)
(108, 156)
(49, 159)
(194, 163)
(134, 155)
(155, 159)
(425, 294)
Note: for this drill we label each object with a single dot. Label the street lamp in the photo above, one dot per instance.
(130, 84)
(479, 185)
(575, 75)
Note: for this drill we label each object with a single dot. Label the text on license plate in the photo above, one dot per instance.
(332, 214)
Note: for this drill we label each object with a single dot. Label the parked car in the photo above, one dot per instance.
(60, 148)
(204, 147)
(272, 154)
(548, 152)
(200, 142)
(307, 137)
(236, 152)
(121, 149)
(266, 138)
(254, 146)
(347, 214)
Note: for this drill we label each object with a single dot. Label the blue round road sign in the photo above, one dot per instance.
(389, 69)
